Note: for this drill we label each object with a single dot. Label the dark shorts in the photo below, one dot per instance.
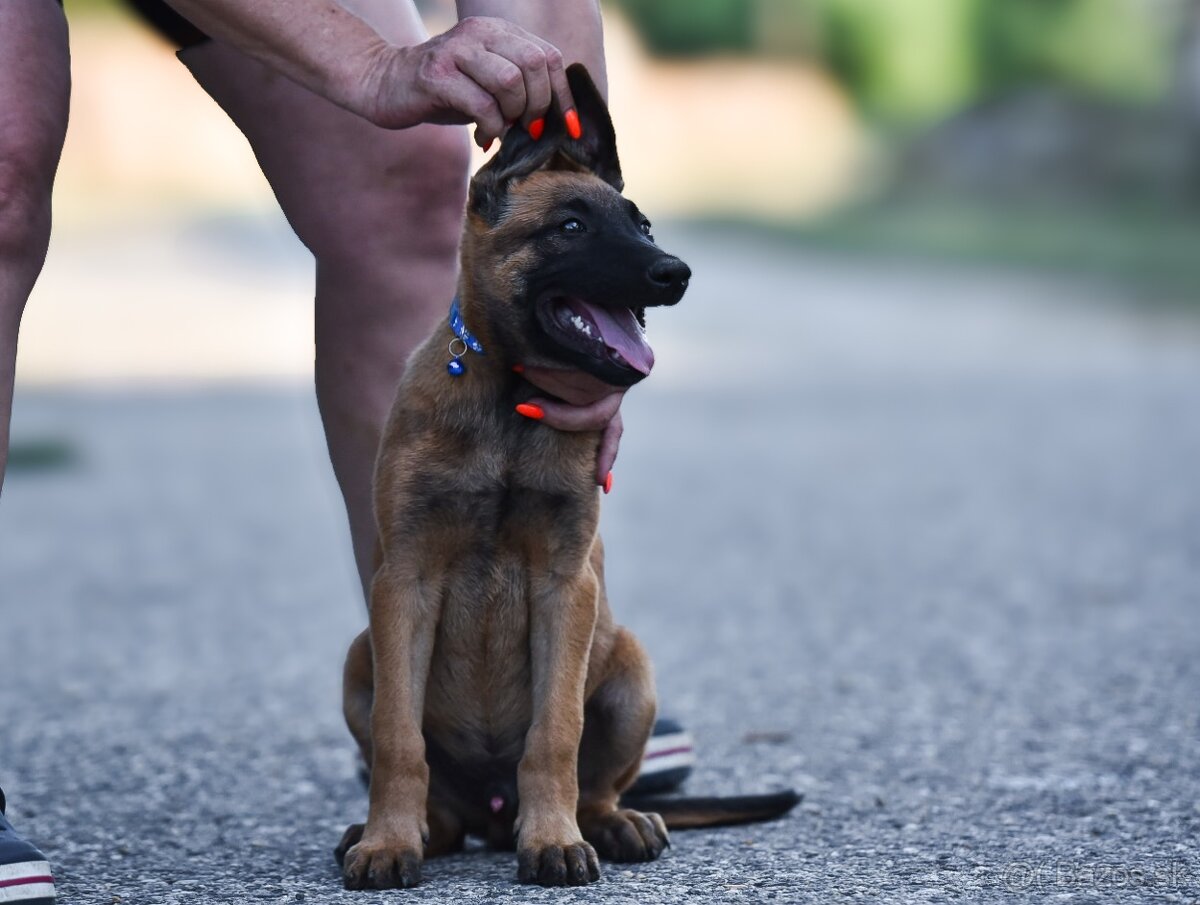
(168, 23)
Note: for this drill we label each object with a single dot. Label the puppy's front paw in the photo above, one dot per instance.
(627, 835)
(573, 864)
(373, 865)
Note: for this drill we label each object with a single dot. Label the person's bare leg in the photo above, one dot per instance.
(382, 213)
(35, 87)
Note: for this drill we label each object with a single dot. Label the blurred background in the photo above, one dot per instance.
(1048, 133)
(907, 515)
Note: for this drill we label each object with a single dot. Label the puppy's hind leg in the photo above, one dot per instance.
(618, 719)
(358, 693)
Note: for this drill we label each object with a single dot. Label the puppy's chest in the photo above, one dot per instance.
(485, 520)
(491, 525)
(516, 491)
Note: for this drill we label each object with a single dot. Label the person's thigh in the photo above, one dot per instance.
(380, 209)
(340, 180)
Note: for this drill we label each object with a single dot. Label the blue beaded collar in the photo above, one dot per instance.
(462, 336)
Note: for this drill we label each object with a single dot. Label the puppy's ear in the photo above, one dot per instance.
(519, 155)
(596, 147)
(595, 150)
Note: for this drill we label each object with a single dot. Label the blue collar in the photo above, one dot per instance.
(455, 366)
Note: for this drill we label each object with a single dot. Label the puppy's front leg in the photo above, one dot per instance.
(403, 626)
(550, 848)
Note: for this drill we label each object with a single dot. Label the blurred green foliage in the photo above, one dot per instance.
(693, 27)
(912, 61)
(1114, 48)
(904, 59)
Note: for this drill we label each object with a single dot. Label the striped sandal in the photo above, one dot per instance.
(668, 761)
(24, 873)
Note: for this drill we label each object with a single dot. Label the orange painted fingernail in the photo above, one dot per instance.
(518, 369)
(537, 127)
(608, 483)
(529, 410)
(488, 146)
(573, 127)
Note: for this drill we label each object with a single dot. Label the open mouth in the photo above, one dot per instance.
(611, 335)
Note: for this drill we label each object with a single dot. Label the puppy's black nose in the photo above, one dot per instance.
(669, 273)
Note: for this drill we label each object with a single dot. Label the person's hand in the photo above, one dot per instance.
(483, 70)
(583, 403)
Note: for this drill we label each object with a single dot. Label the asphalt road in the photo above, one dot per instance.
(923, 544)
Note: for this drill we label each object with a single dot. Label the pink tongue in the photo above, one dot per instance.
(620, 331)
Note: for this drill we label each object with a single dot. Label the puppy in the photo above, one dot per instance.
(492, 694)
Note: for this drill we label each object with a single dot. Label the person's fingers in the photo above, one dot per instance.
(565, 417)
(462, 93)
(542, 64)
(543, 71)
(539, 91)
(566, 103)
(560, 88)
(606, 456)
(500, 77)
(484, 70)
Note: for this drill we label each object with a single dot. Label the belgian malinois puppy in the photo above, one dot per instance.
(492, 694)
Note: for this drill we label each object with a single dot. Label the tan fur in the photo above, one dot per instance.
(492, 655)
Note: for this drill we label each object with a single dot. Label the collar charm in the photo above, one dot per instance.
(463, 341)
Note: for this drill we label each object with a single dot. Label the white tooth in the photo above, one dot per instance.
(581, 325)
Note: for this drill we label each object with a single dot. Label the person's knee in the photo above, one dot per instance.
(412, 211)
(384, 265)
(24, 207)
(436, 189)
(24, 231)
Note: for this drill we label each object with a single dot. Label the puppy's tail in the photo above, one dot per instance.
(693, 813)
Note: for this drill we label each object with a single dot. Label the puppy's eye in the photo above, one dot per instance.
(573, 226)
(645, 227)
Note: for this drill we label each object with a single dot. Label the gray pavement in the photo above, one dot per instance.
(924, 544)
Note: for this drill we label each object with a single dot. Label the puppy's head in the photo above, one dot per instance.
(566, 263)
